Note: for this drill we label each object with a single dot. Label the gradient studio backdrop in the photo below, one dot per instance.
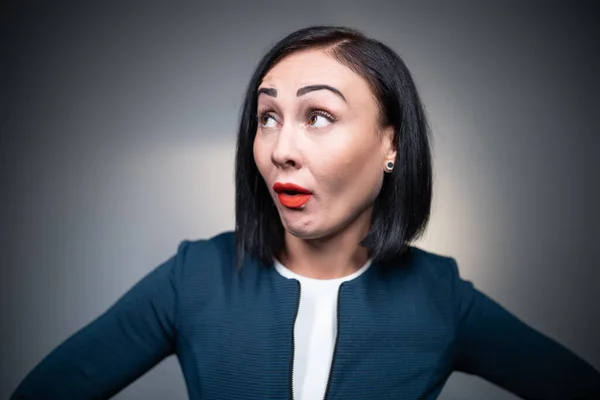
(117, 141)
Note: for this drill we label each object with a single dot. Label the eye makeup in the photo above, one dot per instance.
(310, 112)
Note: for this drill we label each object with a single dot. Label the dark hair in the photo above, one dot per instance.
(401, 210)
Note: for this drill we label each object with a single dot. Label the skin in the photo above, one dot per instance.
(341, 161)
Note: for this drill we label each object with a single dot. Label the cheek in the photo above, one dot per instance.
(262, 157)
(352, 169)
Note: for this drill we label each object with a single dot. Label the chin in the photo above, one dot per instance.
(302, 231)
(309, 231)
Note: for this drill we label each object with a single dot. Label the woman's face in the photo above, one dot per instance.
(318, 129)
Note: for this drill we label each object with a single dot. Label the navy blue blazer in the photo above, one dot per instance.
(401, 333)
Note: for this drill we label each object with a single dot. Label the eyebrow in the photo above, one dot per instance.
(303, 90)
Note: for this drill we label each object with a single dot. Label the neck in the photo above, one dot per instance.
(334, 256)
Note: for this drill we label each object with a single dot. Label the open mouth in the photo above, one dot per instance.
(291, 195)
(293, 199)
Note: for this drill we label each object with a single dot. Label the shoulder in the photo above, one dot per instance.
(205, 259)
(206, 250)
(441, 275)
(432, 275)
(431, 265)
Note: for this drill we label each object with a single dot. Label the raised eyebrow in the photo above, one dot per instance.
(312, 88)
(268, 91)
(306, 89)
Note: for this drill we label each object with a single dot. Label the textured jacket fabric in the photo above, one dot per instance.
(401, 333)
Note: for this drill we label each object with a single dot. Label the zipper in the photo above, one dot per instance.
(294, 342)
(335, 346)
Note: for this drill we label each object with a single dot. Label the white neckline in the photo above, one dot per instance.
(287, 273)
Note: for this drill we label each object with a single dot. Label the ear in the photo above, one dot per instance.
(389, 143)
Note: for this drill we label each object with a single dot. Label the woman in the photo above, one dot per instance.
(318, 292)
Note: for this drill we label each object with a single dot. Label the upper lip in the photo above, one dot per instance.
(289, 187)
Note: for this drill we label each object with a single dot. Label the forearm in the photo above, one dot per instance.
(494, 344)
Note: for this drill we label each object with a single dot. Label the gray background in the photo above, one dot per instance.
(118, 127)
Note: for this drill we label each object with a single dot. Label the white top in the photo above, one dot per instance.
(315, 331)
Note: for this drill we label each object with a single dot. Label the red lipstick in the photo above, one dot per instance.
(291, 195)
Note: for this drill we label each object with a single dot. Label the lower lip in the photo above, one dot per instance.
(294, 200)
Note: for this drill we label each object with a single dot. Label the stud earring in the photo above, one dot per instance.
(389, 166)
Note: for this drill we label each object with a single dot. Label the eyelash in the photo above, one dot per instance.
(309, 113)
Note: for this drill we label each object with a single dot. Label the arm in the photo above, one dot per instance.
(495, 345)
(115, 349)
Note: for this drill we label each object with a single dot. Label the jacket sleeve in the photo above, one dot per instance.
(116, 348)
(494, 344)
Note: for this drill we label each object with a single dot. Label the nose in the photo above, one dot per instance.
(286, 153)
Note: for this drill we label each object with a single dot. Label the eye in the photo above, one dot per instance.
(266, 120)
(320, 119)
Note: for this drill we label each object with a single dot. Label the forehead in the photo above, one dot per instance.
(314, 66)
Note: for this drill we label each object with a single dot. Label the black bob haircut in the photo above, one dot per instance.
(401, 210)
